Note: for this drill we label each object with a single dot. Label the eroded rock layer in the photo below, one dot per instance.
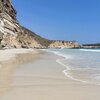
(13, 35)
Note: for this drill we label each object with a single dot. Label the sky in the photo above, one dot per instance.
(70, 20)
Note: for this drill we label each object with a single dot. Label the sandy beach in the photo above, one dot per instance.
(41, 78)
(9, 61)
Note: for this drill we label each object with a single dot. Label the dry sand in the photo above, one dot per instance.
(43, 79)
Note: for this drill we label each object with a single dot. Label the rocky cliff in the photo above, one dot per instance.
(13, 35)
(96, 45)
(64, 44)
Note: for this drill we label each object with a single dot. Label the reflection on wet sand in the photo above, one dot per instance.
(8, 67)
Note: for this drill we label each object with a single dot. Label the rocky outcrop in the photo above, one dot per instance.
(13, 35)
(7, 8)
(64, 44)
(97, 45)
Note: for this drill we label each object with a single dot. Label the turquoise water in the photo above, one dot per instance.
(81, 64)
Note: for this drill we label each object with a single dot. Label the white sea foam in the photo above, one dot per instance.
(89, 50)
(66, 73)
(65, 57)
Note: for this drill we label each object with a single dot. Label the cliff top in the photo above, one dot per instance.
(6, 7)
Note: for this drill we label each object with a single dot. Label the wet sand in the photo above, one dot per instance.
(9, 61)
(43, 79)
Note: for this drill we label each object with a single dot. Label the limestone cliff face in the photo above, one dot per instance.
(13, 35)
(64, 44)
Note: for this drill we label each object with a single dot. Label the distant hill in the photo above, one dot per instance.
(96, 45)
(44, 42)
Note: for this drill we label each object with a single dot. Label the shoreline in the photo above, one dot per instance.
(43, 79)
(65, 71)
(67, 68)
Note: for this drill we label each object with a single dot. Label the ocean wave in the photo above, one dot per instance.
(68, 68)
(59, 61)
(89, 50)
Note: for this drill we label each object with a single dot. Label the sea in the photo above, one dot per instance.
(80, 64)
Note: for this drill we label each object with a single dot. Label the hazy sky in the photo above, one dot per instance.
(61, 19)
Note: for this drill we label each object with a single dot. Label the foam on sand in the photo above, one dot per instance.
(66, 73)
(43, 80)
